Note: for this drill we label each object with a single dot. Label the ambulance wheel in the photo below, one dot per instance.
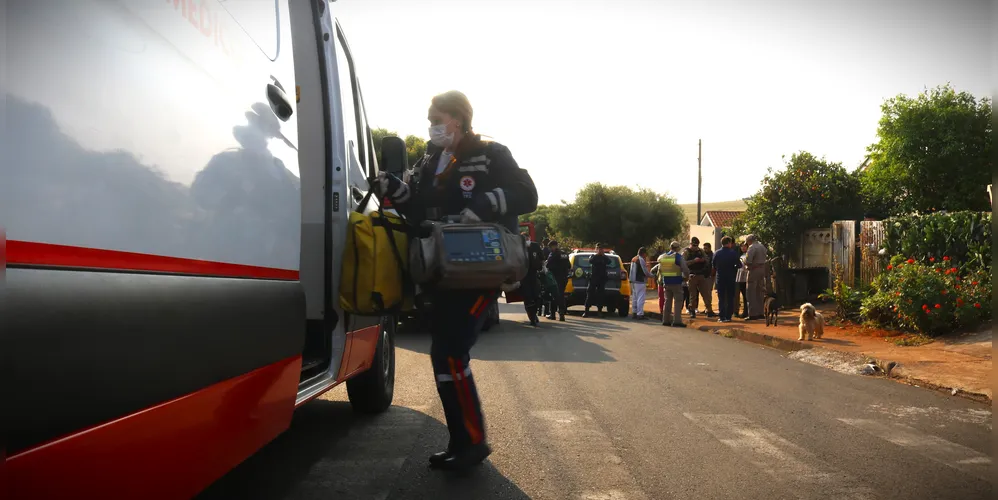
(373, 390)
(623, 310)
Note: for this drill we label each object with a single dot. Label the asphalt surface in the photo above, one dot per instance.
(614, 409)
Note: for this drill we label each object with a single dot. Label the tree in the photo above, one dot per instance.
(620, 217)
(933, 153)
(542, 220)
(809, 193)
(415, 146)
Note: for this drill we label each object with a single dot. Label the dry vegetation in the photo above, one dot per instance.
(691, 208)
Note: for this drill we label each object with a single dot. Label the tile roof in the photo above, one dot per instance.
(720, 218)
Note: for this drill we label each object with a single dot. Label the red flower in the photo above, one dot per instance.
(932, 259)
(945, 292)
(974, 283)
(889, 267)
(899, 294)
(938, 306)
(959, 302)
(945, 258)
(953, 269)
(977, 305)
(911, 261)
(937, 270)
(925, 306)
(957, 287)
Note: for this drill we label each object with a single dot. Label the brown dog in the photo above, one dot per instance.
(771, 309)
(812, 323)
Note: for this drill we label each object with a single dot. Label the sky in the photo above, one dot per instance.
(620, 91)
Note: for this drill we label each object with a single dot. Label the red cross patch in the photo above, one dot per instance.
(467, 183)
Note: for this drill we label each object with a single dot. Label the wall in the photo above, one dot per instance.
(706, 234)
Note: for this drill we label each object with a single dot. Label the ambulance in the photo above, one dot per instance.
(175, 184)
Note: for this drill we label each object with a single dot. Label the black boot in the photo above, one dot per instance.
(438, 458)
(463, 459)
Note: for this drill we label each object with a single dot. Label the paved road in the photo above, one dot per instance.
(618, 410)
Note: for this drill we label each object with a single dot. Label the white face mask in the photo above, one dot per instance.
(439, 135)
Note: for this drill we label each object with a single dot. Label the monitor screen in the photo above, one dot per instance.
(479, 245)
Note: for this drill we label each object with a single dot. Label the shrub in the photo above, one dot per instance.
(848, 300)
(934, 296)
(963, 236)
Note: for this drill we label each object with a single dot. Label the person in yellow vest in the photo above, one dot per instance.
(672, 271)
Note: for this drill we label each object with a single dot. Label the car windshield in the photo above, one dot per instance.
(582, 260)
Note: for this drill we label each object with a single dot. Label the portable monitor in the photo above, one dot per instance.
(473, 245)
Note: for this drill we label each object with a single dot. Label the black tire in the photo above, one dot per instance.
(491, 317)
(373, 390)
(624, 309)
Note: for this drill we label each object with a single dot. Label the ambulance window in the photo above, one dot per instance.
(353, 122)
(258, 18)
(350, 131)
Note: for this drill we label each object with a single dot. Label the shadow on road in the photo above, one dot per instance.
(515, 340)
(331, 452)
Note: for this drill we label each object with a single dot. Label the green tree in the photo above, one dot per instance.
(619, 217)
(415, 146)
(808, 193)
(933, 153)
(542, 220)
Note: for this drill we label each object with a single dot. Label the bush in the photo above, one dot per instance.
(848, 300)
(963, 236)
(934, 296)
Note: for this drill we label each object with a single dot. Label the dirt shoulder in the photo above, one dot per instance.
(961, 361)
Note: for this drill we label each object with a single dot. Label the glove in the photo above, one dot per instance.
(467, 216)
(386, 184)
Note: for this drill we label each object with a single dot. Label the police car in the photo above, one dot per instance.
(618, 289)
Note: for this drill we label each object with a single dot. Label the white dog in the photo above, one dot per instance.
(811, 322)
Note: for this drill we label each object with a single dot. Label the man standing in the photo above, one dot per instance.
(755, 286)
(530, 287)
(672, 271)
(595, 292)
(546, 252)
(558, 265)
(699, 273)
(639, 282)
(740, 278)
(726, 263)
(709, 282)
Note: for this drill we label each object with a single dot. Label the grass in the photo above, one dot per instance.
(691, 208)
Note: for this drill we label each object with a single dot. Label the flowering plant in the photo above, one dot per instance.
(932, 295)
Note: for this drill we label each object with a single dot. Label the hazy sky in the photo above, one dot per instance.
(619, 91)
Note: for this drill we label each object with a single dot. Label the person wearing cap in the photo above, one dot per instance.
(699, 274)
(755, 286)
(476, 180)
(672, 271)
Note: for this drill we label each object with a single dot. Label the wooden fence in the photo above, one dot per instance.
(857, 254)
(871, 237)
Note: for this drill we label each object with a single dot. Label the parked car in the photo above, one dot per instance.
(618, 289)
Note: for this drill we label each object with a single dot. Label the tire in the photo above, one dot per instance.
(491, 317)
(624, 309)
(373, 390)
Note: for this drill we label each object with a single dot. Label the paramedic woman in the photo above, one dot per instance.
(460, 175)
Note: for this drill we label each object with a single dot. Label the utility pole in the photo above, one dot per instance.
(699, 177)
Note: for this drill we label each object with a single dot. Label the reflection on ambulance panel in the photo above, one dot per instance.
(242, 207)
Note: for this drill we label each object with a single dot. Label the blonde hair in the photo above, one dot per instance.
(456, 104)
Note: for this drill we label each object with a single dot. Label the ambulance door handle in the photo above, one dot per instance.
(279, 101)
